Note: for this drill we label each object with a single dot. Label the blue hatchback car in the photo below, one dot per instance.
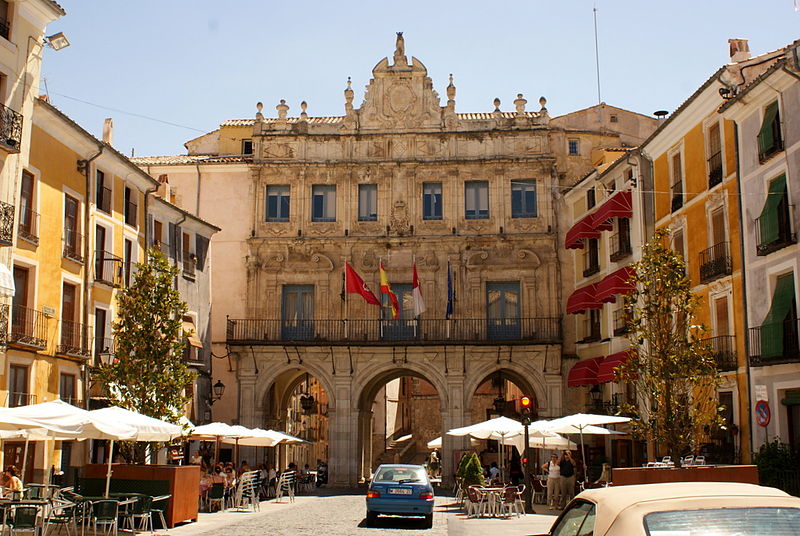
(403, 490)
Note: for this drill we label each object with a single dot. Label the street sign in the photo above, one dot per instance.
(763, 413)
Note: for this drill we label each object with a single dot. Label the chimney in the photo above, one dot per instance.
(739, 49)
(108, 131)
(164, 188)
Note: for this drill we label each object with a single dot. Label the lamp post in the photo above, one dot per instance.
(525, 402)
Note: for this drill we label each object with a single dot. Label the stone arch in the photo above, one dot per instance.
(526, 378)
(375, 376)
(268, 377)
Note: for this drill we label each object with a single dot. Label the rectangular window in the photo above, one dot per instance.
(678, 245)
(5, 19)
(102, 344)
(103, 193)
(773, 225)
(158, 236)
(590, 198)
(574, 147)
(127, 261)
(714, 155)
(297, 312)
(523, 199)
(247, 146)
(778, 333)
(677, 182)
(72, 238)
(432, 201)
(277, 203)
(188, 257)
(476, 200)
(66, 388)
(131, 206)
(323, 199)
(592, 327)
(28, 228)
(503, 310)
(367, 202)
(770, 140)
(17, 386)
(591, 257)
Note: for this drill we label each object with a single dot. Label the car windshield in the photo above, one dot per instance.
(400, 474)
(725, 522)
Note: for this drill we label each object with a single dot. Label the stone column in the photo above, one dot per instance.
(455, 416)
(343, 436)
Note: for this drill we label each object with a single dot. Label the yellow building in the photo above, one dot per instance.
(85, 210)
(697, 197)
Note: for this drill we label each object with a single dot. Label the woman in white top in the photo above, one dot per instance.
(553, 470)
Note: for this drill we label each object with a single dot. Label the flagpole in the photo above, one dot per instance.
(380, 293)
(346, 303)
(413, 297)
(449, 301)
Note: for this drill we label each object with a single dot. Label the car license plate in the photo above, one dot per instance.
(400, 491)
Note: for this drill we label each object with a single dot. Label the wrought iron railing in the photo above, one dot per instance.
(73, 400)
(189, 264)
(73, 243)
(715, 262)
(6, 224)
(73, 340)
(774, 233)
(20, 399)
(715, 169)
(28, 327)
(28, 228)
(422, 331)
(774, 343)
(130, 213)
(104, 199)
(724, 349)
(10, 129)
(161, 245)
(4, 309)
(108, 268)
(620, 246)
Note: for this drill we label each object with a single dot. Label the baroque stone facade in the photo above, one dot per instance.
(472, 198)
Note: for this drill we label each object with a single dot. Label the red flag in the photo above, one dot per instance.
(355, 285)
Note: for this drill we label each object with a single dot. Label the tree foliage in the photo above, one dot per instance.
(148, 373)
(672, 369)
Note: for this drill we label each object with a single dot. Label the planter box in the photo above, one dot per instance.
(180, 481)
(624, 476)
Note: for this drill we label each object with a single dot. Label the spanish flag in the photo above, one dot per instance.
(386, 289)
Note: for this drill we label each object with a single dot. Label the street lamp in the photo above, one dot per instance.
(217, 390)
(525, 402)
(57, 41)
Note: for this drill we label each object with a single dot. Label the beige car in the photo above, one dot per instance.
(680, 509)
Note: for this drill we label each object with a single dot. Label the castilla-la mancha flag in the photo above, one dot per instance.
(353, 284)
(416, 292)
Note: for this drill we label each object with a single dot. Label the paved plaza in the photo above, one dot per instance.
(338, 512)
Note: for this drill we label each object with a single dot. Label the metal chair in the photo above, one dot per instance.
(216, 495)
(140, 514)
(105, 513)
(61, 514)
(24, 518)
(159, 510)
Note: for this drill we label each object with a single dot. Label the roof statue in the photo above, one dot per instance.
(400, 50)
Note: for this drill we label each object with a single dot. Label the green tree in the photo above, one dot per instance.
(473, 472)
(148, 373)
(672, 369)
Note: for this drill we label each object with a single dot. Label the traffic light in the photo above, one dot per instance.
(525, 402)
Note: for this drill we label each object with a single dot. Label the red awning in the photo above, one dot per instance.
(583, 229)
(618, 205)
(582, 299)
(606, 370)
(584, 372)
(619, 282)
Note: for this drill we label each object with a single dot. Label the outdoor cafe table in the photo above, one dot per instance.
(5, 505)
(495, 497)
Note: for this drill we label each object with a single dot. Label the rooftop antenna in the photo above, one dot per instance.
(596, 53)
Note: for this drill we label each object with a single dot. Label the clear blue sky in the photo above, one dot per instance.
(197, 63)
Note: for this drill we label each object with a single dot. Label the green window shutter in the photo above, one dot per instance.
(766, 135)
(768, 221)
(782, 306)
(792, 398)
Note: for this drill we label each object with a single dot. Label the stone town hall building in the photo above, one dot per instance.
(401, 179)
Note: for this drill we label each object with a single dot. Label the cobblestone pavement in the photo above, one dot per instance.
(339, 513)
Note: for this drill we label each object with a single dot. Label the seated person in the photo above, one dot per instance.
(12, 485)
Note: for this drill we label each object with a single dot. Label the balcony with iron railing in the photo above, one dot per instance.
(14, 399)
(10, 130)
(620, 246)
(6, 224)
(774, 232)
(715, 169)
(73, 243)
(609, 407)
(393, 332)
(160, 245)
(73, 400)
(108, 269)
(73, 340)
(620, 322)
(104, 199)
(723, 348)
(715, 262)
(28, 227)
(774, 343)
(189, 265)
(28, 328)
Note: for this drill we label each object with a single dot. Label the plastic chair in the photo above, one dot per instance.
(688, 460)
(216, 496)
(700, 460)
(23, 518)
(105, 513)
